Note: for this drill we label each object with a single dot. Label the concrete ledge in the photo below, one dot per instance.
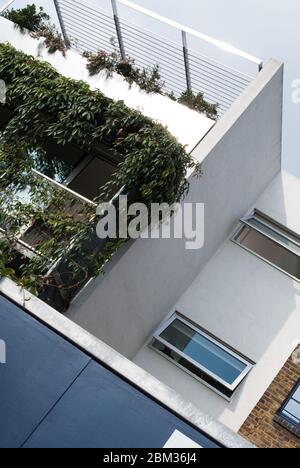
(122, 366)
(271, 70)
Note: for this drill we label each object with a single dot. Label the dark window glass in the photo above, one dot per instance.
(201, 355)
(285, 259)
(289, 414)
(56, 161)
(92, 178)
(194, 370)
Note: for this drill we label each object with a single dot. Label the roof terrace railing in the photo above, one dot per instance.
(89, 27)
(185, 63)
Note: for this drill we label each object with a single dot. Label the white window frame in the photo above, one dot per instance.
(231, 387)
(277, 228)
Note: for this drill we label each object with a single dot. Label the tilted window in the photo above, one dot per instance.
(201, 355)
(289, 414)
(271, 242)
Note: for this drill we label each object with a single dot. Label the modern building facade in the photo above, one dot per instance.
(79, 402)
(206, 340)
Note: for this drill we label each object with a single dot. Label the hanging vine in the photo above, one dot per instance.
(148, 79)
(47, 105)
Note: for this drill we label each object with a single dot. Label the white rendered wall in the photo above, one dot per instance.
(188, 126)
(240, 155)
(248, 304)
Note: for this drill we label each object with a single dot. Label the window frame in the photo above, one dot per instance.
(277, 228)
(228, 349)
(284, 420)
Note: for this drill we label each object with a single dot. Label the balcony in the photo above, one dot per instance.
(101, 134)
(40, 222)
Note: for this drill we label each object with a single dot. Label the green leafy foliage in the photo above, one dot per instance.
(148, 79)
(53, 39)
(198, 103)
(38, 22)
(48, 105)
(29, 17)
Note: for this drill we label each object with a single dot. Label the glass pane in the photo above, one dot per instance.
(266, 227)
(55, 161)
(10, 203)
(205, 352)
(296, 395)
(270, 250)
(293, 408)
(191, 368)
(90, 181)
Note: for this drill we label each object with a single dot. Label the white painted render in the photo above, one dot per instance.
(188, 126)
(240, 155)
(248, 304)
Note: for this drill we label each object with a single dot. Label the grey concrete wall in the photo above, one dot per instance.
(240, 156)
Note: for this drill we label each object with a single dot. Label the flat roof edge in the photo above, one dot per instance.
(121, 365)
(272, 69)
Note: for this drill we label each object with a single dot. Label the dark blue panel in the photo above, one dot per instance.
(102, 410)
(40, 367)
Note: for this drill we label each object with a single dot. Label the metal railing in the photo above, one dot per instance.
(64, 188)
(88, 27)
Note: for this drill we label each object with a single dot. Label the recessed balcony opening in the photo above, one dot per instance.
(56, 161)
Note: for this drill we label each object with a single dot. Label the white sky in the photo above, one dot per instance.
(264, 28)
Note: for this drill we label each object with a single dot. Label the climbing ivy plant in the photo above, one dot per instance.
(29, 17)
(47, 105)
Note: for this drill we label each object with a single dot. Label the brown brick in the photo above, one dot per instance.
(260, 428)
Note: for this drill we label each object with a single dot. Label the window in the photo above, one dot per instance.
(81, 172)
(201, 355)
(89, 181)
(270, 241)
(56, 161)
(289, 414)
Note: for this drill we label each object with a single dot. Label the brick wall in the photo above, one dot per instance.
(260, 428)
